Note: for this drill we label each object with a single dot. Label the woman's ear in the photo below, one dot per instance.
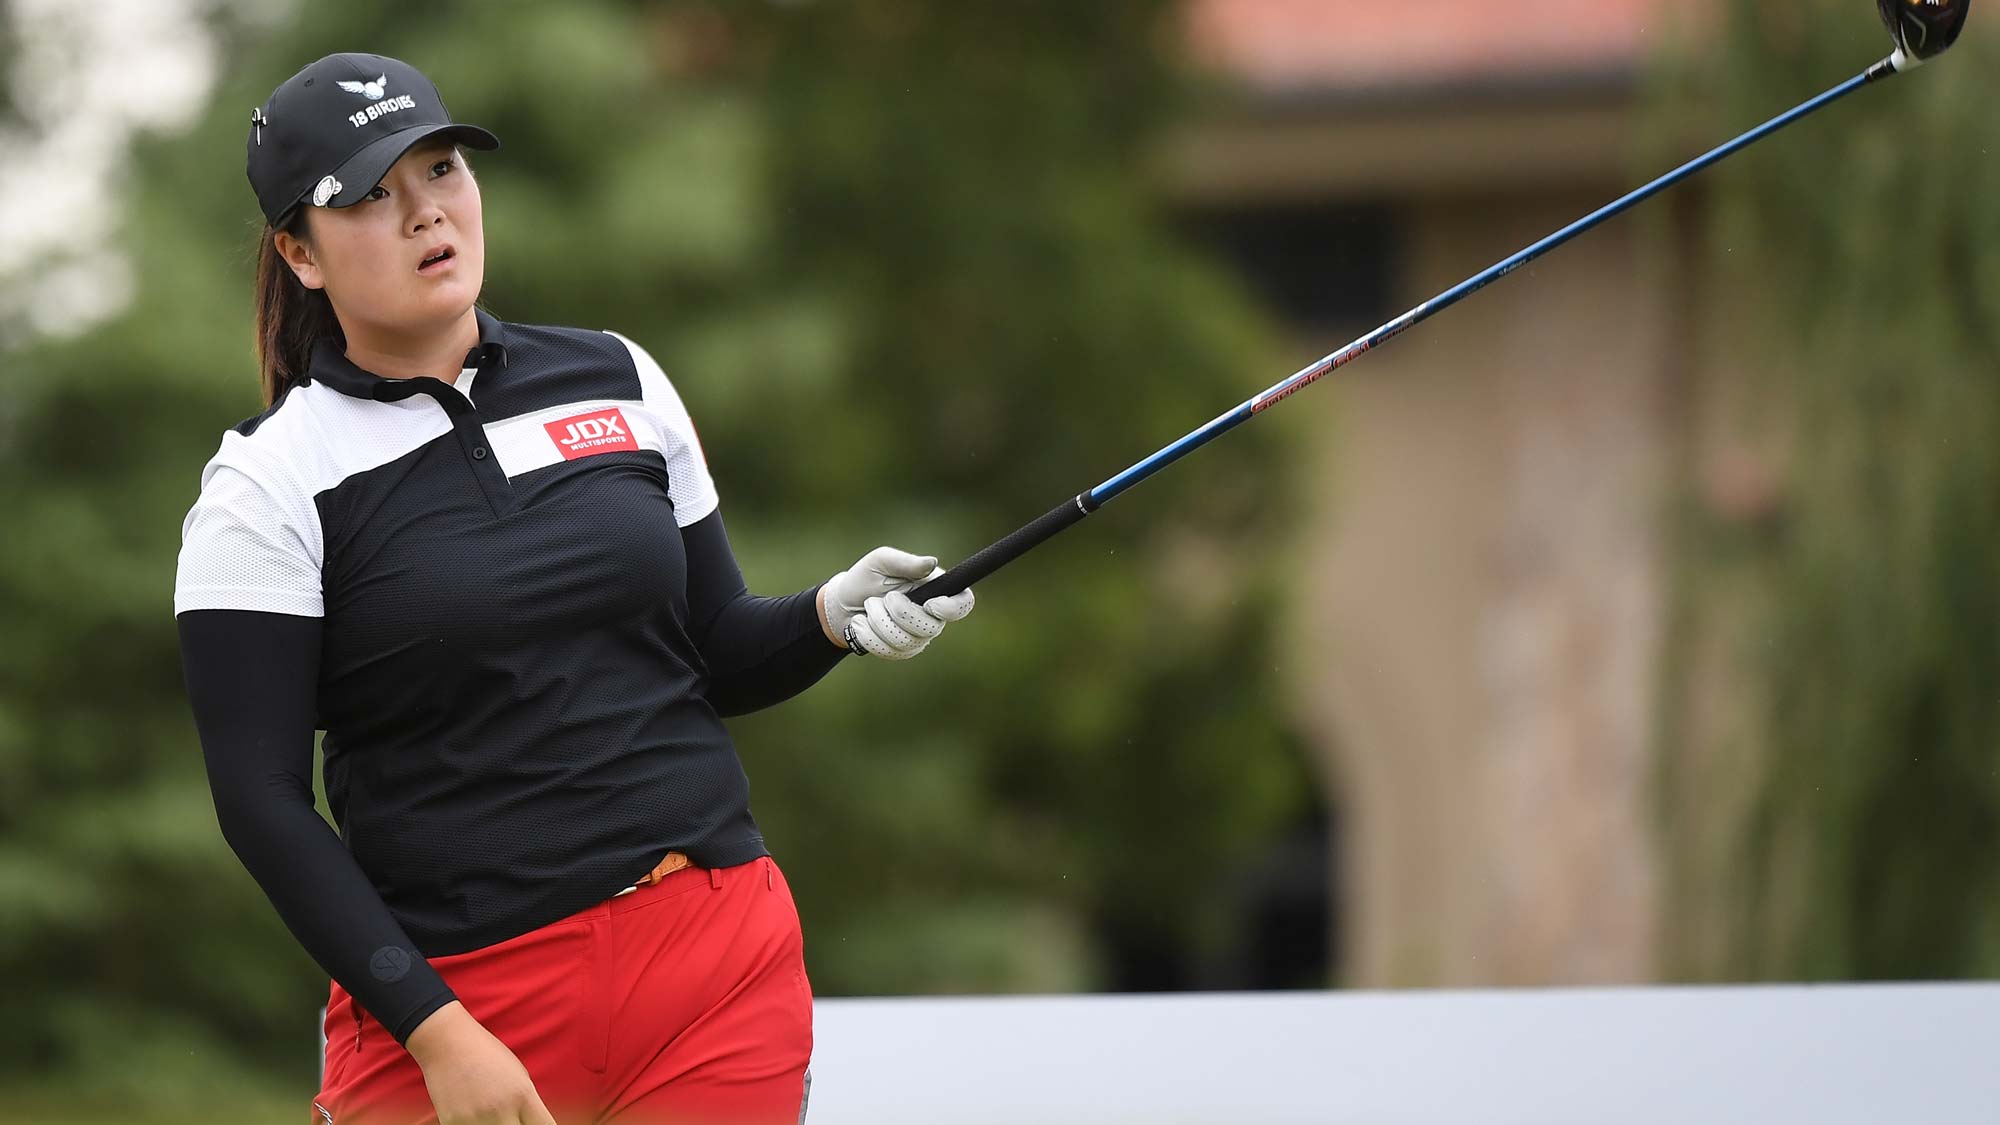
(299, 257)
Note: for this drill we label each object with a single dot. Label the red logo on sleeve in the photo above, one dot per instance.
(600, 431)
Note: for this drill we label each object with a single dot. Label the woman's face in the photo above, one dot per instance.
(378, 260)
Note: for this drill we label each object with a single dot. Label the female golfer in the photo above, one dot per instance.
(486, 558)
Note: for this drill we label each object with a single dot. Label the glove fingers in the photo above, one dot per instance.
(862, 636)
(892, 563)
(911, 617)
(888, 631)
(953, 608)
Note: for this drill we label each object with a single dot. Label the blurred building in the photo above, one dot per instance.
(1482, 605)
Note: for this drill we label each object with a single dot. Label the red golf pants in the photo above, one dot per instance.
(681, 1003)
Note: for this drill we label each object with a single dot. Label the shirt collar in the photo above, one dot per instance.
(332, 367)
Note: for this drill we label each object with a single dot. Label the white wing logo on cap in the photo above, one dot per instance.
(373, 91)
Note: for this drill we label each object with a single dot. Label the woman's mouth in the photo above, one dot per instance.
(437, 261)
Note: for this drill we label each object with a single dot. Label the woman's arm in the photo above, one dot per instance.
(253, 679)
(759, 651)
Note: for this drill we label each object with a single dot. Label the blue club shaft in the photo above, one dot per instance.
(1000, 553)
(1324, 366)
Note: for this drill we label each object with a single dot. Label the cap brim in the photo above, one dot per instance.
(359, 174)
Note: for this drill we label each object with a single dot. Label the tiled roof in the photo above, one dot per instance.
(1350, 43)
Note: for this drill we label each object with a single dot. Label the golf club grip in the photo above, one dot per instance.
(1000, 553)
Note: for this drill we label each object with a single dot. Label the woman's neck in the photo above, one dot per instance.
(440, 355)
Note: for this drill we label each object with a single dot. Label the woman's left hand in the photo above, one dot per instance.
(857, 614)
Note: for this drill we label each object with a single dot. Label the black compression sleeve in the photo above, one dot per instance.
(759, 651)
(252, 679)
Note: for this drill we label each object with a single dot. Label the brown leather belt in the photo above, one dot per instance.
(672, 862)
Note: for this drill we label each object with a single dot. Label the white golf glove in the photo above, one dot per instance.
(866, 608)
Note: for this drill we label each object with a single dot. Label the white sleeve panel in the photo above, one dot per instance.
(252, 540)
(688, 482)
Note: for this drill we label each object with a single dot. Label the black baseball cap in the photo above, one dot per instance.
(328, 134)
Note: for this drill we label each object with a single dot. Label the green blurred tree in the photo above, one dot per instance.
(908, 268)
(1862, 258)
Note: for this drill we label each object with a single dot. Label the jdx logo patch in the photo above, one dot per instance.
(600, 431)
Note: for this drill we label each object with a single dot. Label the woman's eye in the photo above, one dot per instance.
(440, 168)
(377, 192)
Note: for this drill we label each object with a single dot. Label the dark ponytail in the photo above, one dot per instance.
(290, 317)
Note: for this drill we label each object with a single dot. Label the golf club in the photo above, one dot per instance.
(1923, 30)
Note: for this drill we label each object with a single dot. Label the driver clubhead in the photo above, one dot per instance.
(1924, 29)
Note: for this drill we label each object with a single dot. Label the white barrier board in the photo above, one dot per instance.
(1813, 1055)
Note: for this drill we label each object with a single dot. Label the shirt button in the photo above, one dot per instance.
(479, 453)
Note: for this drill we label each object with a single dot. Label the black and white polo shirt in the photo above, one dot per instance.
(516, 715)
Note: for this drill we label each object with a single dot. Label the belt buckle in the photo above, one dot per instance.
(670, 863)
